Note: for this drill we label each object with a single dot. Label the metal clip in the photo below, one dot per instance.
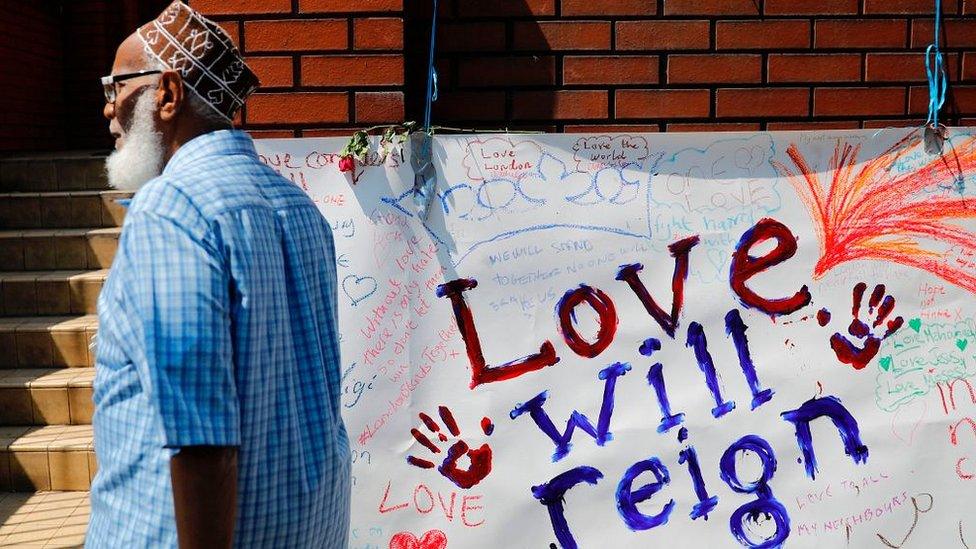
(425, 177)
(934, 138)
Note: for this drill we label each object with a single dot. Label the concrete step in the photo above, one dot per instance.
(58, 249)
(50, 457)
(47, 341)
(29, 293)
(46, 396)
(61, 210)
(54, 172)
(44, 519)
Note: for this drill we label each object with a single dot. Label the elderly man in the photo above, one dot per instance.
(216, 395)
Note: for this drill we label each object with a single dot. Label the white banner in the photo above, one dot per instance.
(681, 340)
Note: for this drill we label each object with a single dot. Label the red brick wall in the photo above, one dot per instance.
(326, 65)
(589, 65)
(561, 65)
(667, 65)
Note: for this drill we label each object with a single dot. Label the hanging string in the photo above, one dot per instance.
(935, 72)
(431, 71)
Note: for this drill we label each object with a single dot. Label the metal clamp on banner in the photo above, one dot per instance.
(934, 138)
(425, 177)
(935, 133)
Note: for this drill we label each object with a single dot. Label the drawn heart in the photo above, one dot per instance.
(916, 324)
(885, 363)
(719, 259)
(905, 421)
(433, 539)
(962, 343)
(358, 288)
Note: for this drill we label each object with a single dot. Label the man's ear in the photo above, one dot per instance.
(170, 95)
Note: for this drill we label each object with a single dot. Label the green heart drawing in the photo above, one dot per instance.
(962, 343)
(885, 363)
(916, 324)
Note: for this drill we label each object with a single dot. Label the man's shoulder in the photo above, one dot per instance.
(165, 196)
(210, 188)
(190, 192)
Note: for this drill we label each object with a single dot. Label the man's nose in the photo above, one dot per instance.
(109, 111)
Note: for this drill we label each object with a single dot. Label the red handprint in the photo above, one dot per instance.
(480, 458)
(881, 306)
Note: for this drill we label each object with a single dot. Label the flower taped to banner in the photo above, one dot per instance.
(618, 340)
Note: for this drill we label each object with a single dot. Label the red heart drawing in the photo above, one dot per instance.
(433, 539)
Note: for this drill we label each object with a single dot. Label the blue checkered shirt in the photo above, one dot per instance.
(218, 326)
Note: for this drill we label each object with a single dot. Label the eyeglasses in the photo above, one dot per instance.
(109, 82)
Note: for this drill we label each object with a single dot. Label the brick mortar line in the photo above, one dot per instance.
(303, 16)
(597, 86)
(657, 18)
(918, 50)
(623, 121)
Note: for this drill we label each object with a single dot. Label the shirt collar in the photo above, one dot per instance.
(217, 143)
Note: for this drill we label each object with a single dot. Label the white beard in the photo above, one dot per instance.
(140, 158)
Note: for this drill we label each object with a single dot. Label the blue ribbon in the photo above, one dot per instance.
(935, 72)
(431, 71)
(422, 157)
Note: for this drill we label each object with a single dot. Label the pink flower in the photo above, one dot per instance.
(347, 163)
